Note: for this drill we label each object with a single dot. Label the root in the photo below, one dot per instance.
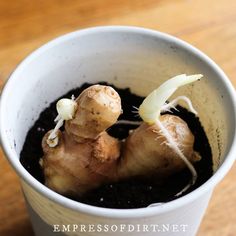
(128, 122)
(175, 148)
(174, 102)
(59, 124)
(156, 204)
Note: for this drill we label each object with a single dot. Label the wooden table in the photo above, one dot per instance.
(210, 25)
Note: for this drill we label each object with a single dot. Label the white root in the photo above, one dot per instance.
(53, 134)
(174, 102)
(128, 122)
(172, 144)
(156, 204)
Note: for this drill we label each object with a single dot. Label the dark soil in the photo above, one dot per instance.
(133, 193)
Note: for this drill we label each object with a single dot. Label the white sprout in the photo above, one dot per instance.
(151, 107)
(66, 109)
(155, 103)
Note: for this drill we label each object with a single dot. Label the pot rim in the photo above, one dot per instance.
(109, 212)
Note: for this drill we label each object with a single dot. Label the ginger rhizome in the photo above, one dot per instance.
(85, 156)
(165, 141)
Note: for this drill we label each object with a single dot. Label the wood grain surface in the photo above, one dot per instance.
(210, 25)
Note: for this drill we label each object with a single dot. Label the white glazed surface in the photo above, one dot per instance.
(127, 57)
(53, 214)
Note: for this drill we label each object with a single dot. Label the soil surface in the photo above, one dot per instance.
(132, 193)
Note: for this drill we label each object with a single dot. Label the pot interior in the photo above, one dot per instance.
(141, 61)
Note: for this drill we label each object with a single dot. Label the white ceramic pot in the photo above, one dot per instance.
(128, 57)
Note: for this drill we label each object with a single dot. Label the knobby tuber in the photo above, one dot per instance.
(175, 139)
(147, 150)
(84, 156)
(98, 108)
